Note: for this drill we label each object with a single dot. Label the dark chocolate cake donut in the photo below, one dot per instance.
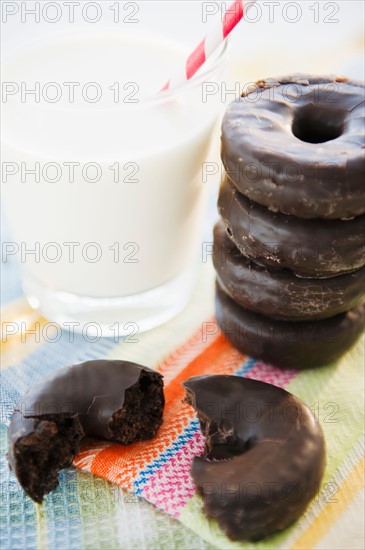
(274, 453)
(296, 145)
(116, 400)
(301, 344)
(278, 293)
(311, 248)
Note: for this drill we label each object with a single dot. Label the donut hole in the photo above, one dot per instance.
(316, 124)
(227, 451)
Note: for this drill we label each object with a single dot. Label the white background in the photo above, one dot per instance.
(277, 37)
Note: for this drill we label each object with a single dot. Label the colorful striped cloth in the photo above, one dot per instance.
(158, 470)
(88, 512)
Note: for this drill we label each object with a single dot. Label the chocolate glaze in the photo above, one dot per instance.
(81, 400)
(301, 344)
(296, 145)
(276, 450)
(278, 293)
(311, 248)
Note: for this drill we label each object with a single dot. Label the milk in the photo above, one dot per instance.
(115, 203)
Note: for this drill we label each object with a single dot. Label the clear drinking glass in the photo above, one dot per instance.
(103, 174)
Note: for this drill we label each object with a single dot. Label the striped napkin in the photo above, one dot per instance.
(158, 470)
(88, 512)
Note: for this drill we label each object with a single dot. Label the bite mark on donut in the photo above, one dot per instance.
(255, 478)
(42, 454)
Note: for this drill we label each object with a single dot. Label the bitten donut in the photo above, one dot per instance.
(302, 344)
(276, 453)
(296, 145)
(278, 293)
(310, 248)
(115, 400)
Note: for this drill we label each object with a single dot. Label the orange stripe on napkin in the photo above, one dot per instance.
(177, 359)
(122, 464)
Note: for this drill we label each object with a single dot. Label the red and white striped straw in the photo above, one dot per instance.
(216, 36)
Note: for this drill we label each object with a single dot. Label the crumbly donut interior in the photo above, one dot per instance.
(141, 414)
(221, 441)
(41, 455)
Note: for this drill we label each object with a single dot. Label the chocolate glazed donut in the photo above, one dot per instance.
(302, 344)
(276, 450)
(115, 400)
(296, 145)
(278, 293)
(311, 248)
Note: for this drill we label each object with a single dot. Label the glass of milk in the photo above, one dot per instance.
(102, 176)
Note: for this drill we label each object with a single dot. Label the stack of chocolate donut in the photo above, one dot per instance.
(289, 248)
